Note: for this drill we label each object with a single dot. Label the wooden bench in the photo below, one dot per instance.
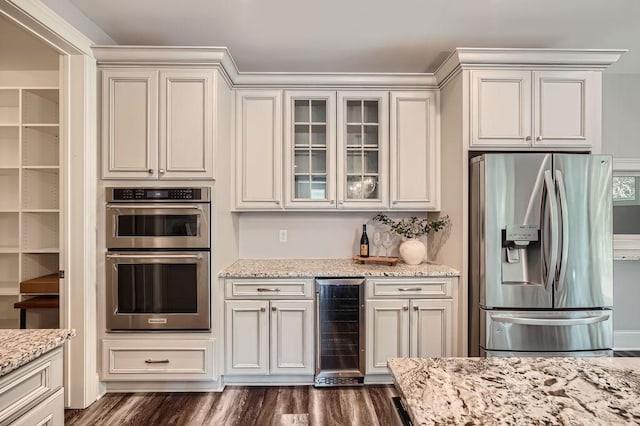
(46, 288)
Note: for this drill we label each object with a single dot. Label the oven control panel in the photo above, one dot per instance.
(157, 194)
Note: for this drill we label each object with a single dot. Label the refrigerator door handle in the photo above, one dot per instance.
(592, 319)
(553, 222)
(564, 218)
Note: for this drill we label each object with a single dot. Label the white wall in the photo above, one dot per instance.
(328, 235)
(621, 138)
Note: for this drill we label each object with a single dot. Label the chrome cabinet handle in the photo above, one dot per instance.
(527, 138)
(410, 289)
(262, 289)
(156, 361)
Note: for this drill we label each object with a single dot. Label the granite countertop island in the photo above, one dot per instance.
(19, 347)
(298, 268)
(519, 391)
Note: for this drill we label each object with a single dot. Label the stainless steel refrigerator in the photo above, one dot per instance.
(540, 255)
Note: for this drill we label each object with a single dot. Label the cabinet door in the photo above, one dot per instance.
(186, 124)
(414, 148)
(387, 333)
(247, 337)
(292, 337)
(363, 140)
(431, 328)
(500, 108)
(310, 149)
(565, 111)
(129, 124)
(258, 149)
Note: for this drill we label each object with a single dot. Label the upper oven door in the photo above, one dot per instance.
(156, 225)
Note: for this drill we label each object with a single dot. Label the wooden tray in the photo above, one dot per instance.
(376, 259)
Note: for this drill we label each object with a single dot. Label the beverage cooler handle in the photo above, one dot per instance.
(553, 222)
(317, 332)
(154, 256)
(592, 319)
(564, 217)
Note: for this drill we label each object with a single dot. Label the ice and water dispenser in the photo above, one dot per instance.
(521, 255)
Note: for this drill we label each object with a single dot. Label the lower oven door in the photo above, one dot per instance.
(158, 291)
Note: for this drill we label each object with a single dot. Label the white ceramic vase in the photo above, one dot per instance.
(412, 251)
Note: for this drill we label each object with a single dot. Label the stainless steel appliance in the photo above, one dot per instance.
(541, 280)
(340, 336)
(158, 259)
(158, 218)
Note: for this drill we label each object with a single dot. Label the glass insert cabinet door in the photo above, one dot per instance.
(310, 149)
(362, 149)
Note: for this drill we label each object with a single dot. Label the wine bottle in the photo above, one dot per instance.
(364, 242)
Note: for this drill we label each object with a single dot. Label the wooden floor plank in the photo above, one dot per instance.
(240, 406)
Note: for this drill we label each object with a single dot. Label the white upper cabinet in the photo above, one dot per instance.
(258, 149)
(414, 151)
(310, 149)
(523, 108)
(362, 147)
(157, 124)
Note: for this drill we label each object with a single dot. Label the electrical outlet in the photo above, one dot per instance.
(283, 235)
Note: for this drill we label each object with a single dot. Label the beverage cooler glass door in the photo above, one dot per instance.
(152, 290)
(585, 201)
(158, 226)
(513, 225)
(340, 334)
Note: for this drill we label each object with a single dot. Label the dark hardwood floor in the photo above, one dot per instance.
(284, 405)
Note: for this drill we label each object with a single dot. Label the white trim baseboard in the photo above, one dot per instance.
(626, 340)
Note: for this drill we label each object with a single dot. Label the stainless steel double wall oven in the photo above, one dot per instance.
(158, 258)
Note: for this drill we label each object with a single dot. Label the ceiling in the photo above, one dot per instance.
(363, 35)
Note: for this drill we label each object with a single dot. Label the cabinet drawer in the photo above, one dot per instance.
(21, 389)
(157, 360)
(50, 412)
(412, 288)
(269, 289)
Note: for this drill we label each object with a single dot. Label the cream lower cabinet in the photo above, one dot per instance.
(33, 394)
(409, 325)
(512, 108)
(265, 337)
(158, 124)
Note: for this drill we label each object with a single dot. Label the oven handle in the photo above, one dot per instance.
(117, 207)
(154, 256)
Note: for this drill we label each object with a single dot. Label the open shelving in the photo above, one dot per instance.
(29, 192)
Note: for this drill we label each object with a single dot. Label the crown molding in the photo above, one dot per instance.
(631, 165)
(47, 25)
(470, 58)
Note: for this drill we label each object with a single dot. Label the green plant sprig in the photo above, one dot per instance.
(412, 227)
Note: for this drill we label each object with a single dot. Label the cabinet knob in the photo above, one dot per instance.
(331, 201)
(150, 171)
(273, 309)
(527, 138)
(341, 202)
(415, 308)
(277, 202)
(262, 309)
(161, 171)
(539, 138)
(405, 308)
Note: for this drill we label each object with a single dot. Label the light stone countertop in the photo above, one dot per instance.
(19, 347)
(519, 391)
(296, 268)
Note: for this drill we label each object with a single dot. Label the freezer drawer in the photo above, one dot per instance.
(546, 331)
